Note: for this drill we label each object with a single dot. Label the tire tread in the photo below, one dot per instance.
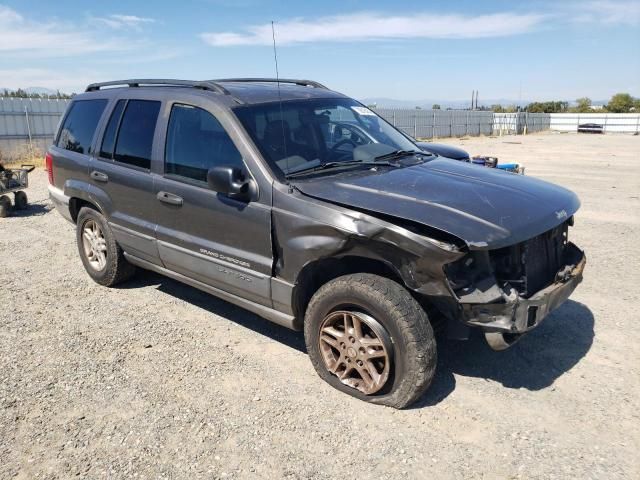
(118, 269)
(412, 321)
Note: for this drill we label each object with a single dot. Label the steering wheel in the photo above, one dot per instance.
(339, 143)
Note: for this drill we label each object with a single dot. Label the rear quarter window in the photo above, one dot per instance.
(80, 125)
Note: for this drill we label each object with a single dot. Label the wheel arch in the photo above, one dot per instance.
(317, 273)
(76, 204)
(82, 193)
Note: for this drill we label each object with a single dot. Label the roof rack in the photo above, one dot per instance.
(304, 83)
(203, 85)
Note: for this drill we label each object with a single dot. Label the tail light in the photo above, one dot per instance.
(48, 160)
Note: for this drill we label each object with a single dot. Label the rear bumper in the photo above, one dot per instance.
(517, 315)
(60, 201)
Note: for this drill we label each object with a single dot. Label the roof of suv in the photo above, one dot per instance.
(242, 90)
(262, 92)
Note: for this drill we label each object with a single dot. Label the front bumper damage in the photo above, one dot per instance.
(505, 322)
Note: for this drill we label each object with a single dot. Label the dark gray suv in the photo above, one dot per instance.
(303, 206)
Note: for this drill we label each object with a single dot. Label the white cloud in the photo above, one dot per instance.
(608, 12)
(38, 77)
(50, 39)
(123, 21)
(375, 26)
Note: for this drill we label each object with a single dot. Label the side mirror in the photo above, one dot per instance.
(231, 181)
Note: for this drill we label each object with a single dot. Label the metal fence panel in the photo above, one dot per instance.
(611, 122)
(27, 125)
(518, 123)
(419, 123)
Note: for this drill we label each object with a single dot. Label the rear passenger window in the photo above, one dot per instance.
(135, 137)
(109, 139)
(80, 125)
(196, 141)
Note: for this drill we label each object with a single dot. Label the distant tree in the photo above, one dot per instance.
(418, 107)
(20, 93)
(548, 107)
(435, 106)
(583, 105)
(621, 103)
(497, 108)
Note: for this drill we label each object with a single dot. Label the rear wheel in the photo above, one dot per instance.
(20, 200)
(101, 256)
(368, 337)
(5, 206)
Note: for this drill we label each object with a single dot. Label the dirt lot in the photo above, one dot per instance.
(158, 380)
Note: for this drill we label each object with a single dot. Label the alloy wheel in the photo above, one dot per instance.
(356, 349)
(94, 244)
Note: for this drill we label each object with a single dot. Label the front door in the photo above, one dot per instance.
(204, 235)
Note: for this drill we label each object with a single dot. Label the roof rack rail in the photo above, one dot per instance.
(304, 83)
(204, 85)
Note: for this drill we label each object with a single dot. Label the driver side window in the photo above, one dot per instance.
(196, 142)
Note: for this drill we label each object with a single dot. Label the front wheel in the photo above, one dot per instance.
(368, 337)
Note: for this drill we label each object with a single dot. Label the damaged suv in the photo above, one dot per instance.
(303, 206)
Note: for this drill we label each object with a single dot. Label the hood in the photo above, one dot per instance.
(448, 151)
(484, 207)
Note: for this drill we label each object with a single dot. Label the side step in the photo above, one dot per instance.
(270, 314)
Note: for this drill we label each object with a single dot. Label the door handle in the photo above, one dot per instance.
(169, 198)
(99, 176)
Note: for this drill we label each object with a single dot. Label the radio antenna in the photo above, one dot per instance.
(275, 58)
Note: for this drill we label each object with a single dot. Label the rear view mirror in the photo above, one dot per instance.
(231, 181)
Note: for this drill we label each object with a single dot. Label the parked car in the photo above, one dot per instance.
(306, 208)
(448, 151)
(455, 153)
(590, 128)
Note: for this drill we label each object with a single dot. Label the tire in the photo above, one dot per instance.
(405, 326)
(20, 200)
(113, 268)
(5, 206)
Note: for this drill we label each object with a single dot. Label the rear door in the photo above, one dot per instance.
(73, 146)
(202, 234)
(122, 169)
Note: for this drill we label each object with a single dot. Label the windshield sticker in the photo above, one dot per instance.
(362, 111)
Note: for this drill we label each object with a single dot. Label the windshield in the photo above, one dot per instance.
(298, 135)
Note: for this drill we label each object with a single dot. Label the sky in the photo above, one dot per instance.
(405, 50)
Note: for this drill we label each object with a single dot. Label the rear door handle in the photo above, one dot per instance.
(169, 198)
(99, 176)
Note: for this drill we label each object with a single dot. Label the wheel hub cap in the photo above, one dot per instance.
(356, 349)
(94, 245)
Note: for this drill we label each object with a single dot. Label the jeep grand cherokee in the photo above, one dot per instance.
(303, 206)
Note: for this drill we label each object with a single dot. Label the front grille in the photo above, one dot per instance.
(531, 265)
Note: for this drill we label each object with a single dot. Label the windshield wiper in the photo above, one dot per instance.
(399, 154)
(328, 165)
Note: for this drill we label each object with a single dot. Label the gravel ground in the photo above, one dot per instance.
(158, 380)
